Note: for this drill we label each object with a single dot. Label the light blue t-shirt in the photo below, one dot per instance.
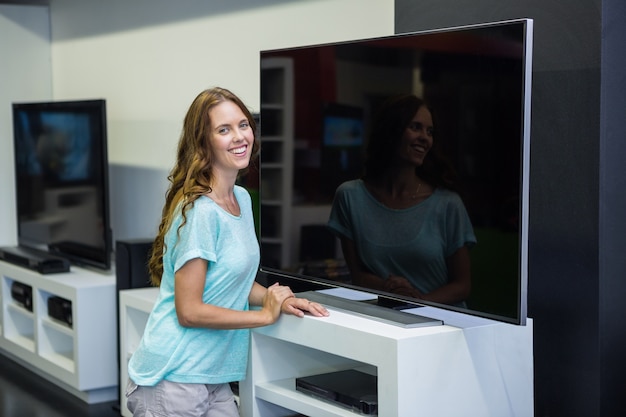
(200, 355)
(413, 242)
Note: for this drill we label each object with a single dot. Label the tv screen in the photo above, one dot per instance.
(343, 126)
(61, 173)
(476, 81)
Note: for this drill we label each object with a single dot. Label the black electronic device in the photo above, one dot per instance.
(131, 263)
(61, 179)
(22, 294)
(37, 260)
(351, 389)
(131, 269)
(60, 309)
(376, 312)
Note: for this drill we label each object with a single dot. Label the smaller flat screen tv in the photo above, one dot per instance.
(343, 126)
(61, 174)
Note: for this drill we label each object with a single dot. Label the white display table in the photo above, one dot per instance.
(467, 367)
(135, 306)
(80, 358)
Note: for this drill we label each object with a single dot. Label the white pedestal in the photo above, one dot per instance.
(81, 357)
(135, 307)
(468, 367)
(483, 368)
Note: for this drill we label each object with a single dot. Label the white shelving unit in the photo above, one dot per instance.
(81, 357)
(277, 158)
(480, 368)
(467, 367)
(135, 306)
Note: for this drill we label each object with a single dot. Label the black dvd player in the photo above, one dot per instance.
(34, 259)
(350, 389)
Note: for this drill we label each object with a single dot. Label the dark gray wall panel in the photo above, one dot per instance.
(577, 266)
(612, 247)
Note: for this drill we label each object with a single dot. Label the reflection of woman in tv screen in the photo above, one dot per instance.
(402, 227)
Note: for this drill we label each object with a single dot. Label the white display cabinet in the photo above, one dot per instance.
(467, 367)
(135, 306)
(79, 356)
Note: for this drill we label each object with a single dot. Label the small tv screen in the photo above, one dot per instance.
(343, 138)
(61, 174)
(342, 131)
(476, 82)
(343, 126)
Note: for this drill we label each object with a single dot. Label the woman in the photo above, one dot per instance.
(402, 228)
(205, 259)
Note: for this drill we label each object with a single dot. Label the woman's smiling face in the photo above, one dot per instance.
(417, 138)
(231, 136)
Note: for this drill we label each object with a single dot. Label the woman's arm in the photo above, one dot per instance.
(256, 294)
(360, 275)
(292, 305)
(459, 280)
(457, 289)
(192, 311)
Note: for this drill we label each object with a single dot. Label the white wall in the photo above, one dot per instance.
(25, 75)
(150, 58)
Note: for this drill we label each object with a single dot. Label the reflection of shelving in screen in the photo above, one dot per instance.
(68, 214)
(270, 221)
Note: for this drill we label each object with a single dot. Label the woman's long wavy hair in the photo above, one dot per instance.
(388, 126)
(192, 174)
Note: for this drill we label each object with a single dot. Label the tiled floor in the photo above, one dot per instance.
(25, 394)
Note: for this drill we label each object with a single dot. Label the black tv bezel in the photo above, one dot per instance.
(97, 108)
(307, 282)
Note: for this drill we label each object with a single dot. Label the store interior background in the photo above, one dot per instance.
(149, 58)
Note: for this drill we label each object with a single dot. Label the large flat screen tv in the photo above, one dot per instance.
(61, 174)
(476, 79)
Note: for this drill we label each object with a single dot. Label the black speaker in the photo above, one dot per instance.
(23, 294)
(131, 263)
(131, 271)
(60, 309)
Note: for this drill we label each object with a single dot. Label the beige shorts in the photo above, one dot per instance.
(182, 400)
